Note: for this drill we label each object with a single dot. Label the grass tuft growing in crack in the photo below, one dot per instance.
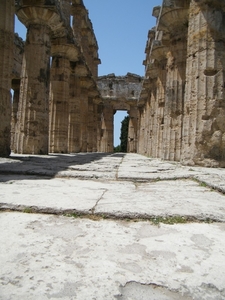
(169, 220)
(28, 210)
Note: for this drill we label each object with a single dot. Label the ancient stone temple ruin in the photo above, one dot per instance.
(60, 105)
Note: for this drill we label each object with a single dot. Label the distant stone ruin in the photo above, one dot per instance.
(60, 105)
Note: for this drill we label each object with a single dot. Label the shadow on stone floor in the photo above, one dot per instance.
(49, 165)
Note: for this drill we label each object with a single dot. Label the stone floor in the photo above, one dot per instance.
(110, 226)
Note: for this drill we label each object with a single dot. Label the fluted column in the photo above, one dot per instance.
(74, 115)
(7, 9)
(132, 130)
(84, 119)
(141, 129)
(107, 129)
(33, 114)
(15, 105)
(174, 100)
(59, 104)
(204, 110)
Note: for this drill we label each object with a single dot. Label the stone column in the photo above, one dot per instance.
(74, 115)
(33, 115)
(15, 105)
(204, 110)
(140, 129)
(97, 124)
(132, 130)
(174, 23)
(7, 10)
(59, 104)
(107, 128)
(84, 119)
(90, 125)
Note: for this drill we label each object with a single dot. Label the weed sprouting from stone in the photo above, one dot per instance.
(169, 220)
(28, 210)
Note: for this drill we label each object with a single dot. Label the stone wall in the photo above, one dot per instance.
(181, 106)
(119, 93)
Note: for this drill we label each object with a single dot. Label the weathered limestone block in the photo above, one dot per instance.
(7, 10)
(204, 111)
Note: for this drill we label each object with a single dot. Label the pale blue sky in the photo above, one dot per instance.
(121, 28)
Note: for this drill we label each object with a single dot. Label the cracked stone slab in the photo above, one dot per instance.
(49, 257)
(164, 198)
(112, 198)
(55, 194)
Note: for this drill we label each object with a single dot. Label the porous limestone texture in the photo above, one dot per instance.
(110, 226)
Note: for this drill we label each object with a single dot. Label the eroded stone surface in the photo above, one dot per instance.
(48, 257)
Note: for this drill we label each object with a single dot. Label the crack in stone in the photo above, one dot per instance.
(90, 214)
(117, 171)
(100, 198)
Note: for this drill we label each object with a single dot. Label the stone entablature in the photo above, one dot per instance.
(119, 93)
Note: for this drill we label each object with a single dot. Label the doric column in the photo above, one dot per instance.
(74, 114)
(99, 110)
(204, 110)
(15, 105)
(173, 23)
(107, 129)
(93, 100)
(132, 130)
(33, 116)
(59, 102)
(97, 124)
(7, 10)
(84, 118)
(64, 58)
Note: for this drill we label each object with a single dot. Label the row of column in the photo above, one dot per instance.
(56, 102)
(182, 114)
